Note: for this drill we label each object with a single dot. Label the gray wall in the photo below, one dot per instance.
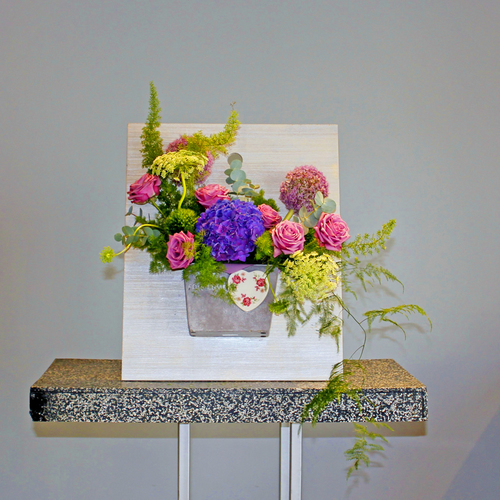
(414, 87)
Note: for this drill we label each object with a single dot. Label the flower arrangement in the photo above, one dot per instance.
(198, 227)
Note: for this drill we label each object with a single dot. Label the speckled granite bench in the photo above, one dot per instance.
(91, 390)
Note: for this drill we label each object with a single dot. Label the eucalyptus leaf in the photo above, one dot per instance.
(229, 180)
(130, 210)
(238, 175)
(156, 233)
(236, 164)
(317, 212)
(311, 221)
(228, 171)
(148, 231)
(318, 199)
(127, 230)
(303, 212)
(329, 206)
(237, 185)
(140, 212)
(118, 237)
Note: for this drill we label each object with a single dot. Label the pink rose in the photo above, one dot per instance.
(288, 238)
(211, 194)
(180, 250)
(331, 231)
(269, 216)
(144, 189)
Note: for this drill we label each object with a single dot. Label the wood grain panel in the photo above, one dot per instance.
(156, 342)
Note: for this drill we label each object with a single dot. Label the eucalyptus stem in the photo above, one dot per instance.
(127, 248)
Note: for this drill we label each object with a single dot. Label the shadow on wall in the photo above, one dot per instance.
(478, 477)
(153, 430)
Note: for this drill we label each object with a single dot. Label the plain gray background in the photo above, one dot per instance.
(414, 88)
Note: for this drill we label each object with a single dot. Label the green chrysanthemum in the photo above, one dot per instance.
(182, 219)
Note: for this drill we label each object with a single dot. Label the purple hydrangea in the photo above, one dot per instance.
(181, 143)
(231, 228)
(300, 187)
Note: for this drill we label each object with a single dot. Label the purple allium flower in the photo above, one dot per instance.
(181, 143)
(300, 187)
(231, 228)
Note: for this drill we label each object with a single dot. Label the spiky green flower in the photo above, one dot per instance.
(182, 219)
(107, 255)
(311, 276)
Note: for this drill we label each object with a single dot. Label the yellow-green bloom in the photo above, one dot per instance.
(311, 276)
(175, 163)
(107, 254)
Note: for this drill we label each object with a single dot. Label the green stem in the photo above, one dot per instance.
(289, 215)
(156, 206)
(184, 189)
(269, 282)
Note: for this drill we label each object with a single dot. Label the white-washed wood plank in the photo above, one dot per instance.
(156, 342)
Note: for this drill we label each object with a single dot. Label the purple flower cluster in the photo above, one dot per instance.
(231, 228)
(300, 187)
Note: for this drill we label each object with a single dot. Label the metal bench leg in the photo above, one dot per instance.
(183, 461)
(290, 461)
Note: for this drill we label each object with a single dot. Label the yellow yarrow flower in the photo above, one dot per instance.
(311, 276)
(175, 163)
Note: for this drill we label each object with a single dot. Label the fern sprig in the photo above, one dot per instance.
(360, 452)
(404, 309)
(367, 244)
(336, 388)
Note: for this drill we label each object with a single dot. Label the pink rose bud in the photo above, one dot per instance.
(211, 194)
(144, 189)
(180, 250)
(288, 237)
(269, 216)
(331, 231)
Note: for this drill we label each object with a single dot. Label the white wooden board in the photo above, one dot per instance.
(156, 342)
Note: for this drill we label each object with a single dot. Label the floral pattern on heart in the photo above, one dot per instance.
(248, 289)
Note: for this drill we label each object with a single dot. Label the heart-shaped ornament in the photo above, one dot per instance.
(248, 289)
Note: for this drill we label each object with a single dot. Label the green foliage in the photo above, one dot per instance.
(292, 310)
(264, 246)
(218, 143)
(207, 272)
(237, 179)
(404, 309)
(360, 452)
(152, 144)
(328, 321)
(157, 248)
(182, 219)
(337, 387)
(368, 244)
(260, 199)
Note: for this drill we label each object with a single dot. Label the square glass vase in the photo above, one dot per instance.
(209, 316)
